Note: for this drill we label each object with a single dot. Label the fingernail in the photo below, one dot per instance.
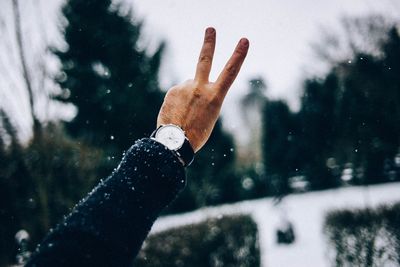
(210, 30)
(244, 42)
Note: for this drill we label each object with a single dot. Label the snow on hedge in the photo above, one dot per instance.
(305, 211)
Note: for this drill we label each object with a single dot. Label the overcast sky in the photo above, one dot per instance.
(280, 33)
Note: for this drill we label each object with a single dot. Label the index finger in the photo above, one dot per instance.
(231, 69)
(206, 56)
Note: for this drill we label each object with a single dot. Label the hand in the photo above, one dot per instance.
(195, 104)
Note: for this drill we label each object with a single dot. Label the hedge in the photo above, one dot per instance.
(226, 241)
(364, 237)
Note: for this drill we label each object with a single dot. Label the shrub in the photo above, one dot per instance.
(40, 182)
(365, 237)
(228, 241)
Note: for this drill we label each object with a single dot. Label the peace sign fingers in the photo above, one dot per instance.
(231, 69)
(195, 104)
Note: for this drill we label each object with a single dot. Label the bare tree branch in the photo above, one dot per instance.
(27, 80)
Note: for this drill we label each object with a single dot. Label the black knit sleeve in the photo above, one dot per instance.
(107, 228)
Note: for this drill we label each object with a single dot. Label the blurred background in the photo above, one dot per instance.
(302, 169)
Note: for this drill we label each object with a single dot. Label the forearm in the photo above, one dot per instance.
(110, 224)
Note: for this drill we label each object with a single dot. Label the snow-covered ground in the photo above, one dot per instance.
(306, 212)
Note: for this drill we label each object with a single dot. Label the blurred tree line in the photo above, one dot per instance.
(349, 119)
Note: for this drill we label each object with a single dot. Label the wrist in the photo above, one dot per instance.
(174, 138)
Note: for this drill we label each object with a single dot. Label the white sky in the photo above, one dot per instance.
(279, 32)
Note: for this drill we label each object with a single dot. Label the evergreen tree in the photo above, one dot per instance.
(352, 116)
(391, 70)
(317, 134)
(108, 78)
(278, 146)
(369, 114)
(349, 117)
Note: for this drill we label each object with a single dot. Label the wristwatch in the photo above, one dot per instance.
(173, 137)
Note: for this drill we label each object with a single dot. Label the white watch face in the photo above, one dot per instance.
(171, 136)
